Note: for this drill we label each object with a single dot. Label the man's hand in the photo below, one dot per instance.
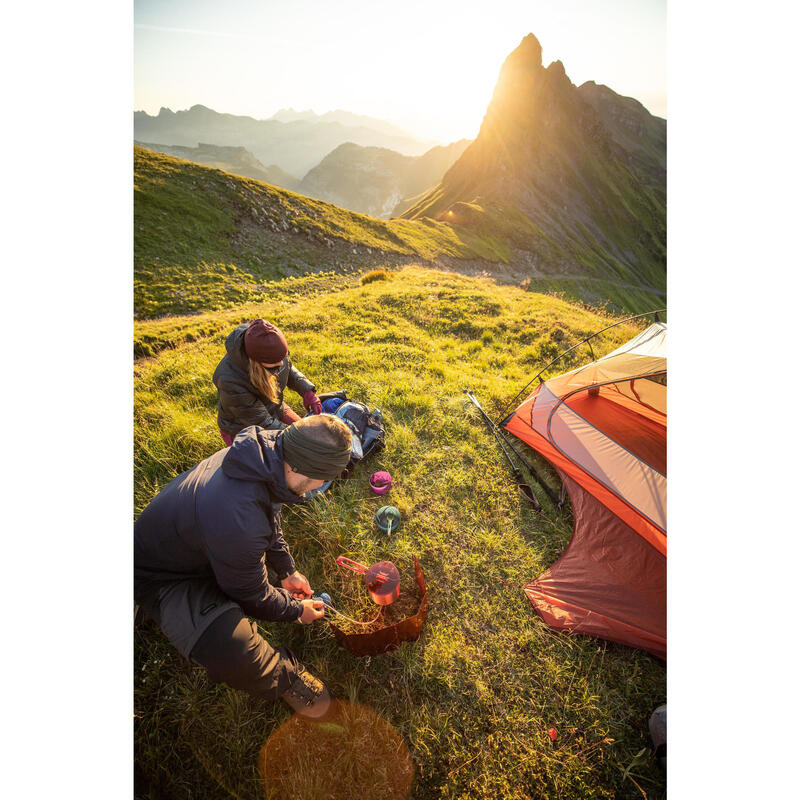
(312, 610)
(297, 585)
(312, 403)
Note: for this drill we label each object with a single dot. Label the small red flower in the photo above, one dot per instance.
(553, 734)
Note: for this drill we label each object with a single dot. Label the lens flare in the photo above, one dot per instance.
(351, 752)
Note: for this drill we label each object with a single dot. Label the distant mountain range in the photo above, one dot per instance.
(346, 118)
(374, 180)
(586, 166)
(295, 146)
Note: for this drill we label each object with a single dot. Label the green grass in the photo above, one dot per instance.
(600, 293)
(376, 275)
(472, 699)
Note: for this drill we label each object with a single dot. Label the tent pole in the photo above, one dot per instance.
(561, 355)
(524, 487)
(550, 493)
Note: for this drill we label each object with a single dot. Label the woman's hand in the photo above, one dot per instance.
(312, 403)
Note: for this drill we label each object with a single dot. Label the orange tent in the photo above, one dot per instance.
(604, 428)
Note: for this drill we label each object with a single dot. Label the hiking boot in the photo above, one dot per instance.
(307, 695)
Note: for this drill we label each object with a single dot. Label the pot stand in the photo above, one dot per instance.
(392, 636)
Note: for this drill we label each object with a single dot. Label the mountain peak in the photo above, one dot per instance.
(526, 94)
(573, 163)
(528, 53)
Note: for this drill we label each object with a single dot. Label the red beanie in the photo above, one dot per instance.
(264, 342)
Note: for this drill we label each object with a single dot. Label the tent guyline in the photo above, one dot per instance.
(587, 340)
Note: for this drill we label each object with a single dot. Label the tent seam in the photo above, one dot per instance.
(595, 428)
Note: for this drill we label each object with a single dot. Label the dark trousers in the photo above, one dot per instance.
(211, 630)
(234, 652)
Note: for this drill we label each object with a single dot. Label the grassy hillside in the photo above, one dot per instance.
(237, 160)
(208, 240)
(474, 697)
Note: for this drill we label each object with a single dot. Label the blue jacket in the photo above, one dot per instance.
(222, 519)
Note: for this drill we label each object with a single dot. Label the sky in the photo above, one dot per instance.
(429, 66)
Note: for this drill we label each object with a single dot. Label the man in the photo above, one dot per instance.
(252, 377)
(203, 544)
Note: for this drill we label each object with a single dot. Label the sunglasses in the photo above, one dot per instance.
(276, 370)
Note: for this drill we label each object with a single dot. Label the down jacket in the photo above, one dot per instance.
(221, 519)
(240, 403)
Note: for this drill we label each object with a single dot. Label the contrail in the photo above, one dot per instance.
(196, 31)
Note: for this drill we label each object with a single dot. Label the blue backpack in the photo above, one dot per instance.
(369, 435)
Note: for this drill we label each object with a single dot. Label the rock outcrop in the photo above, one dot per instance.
(585, 165)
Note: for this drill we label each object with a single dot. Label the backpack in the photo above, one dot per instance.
(366, 427)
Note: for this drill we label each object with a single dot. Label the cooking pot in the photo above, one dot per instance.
(381, 579)
(387, 519)
(380, 482)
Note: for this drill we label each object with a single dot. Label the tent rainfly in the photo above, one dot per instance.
(604, 428)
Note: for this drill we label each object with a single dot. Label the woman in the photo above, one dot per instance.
(251, 379)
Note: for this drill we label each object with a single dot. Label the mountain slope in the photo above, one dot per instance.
(372, 180)
(641, 137)
(237, 160)
(586, 166)
(207, 239)
(295, 146)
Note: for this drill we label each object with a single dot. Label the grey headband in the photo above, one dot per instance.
(308, 453)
